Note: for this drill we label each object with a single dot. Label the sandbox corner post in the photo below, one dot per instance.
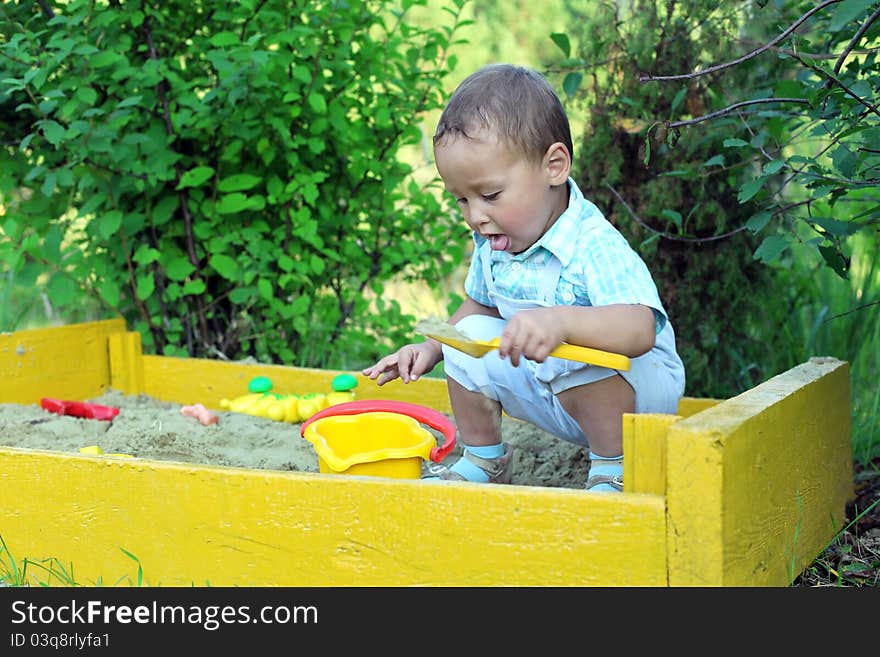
(644, 449)
(126, 362)
(757, 486)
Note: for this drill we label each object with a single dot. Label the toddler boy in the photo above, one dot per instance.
(547, 268)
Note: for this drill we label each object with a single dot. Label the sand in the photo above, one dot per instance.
(148, 428)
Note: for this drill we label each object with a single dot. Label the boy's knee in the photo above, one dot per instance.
(480, 327)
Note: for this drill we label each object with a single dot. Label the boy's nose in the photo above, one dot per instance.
(479, 216)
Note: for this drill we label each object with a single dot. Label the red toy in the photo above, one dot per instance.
(79, 409)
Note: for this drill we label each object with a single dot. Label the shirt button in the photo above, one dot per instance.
(568, 297)
(515, 266)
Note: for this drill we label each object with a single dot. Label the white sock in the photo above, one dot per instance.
(600, 465)
(470, 470)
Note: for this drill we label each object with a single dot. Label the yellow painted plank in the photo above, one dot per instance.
(66, 362)
(688, 406)
(758, 484)
(195, 380)
(644, 449)
(206, 381)
(198, 525)
(126, 362)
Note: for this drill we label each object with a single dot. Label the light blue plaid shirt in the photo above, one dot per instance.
(598, 265)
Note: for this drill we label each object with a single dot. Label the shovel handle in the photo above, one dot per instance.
(79, 409)
(434, 419)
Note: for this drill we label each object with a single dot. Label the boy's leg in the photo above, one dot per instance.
(598, 409)
(478, 420)
(477, 417)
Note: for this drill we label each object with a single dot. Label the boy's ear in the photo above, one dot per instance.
(557, 163)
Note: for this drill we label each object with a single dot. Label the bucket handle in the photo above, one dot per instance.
(434, 419)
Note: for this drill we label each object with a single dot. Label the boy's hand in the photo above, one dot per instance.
(409, 363)
(532, 334)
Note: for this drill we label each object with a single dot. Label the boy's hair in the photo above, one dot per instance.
(514, 103)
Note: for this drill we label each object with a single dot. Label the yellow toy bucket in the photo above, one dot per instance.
(377, 438)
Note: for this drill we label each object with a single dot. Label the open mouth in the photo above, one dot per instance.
(499, 242)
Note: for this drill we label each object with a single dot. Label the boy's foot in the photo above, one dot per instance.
(604, 475)
(498, 470)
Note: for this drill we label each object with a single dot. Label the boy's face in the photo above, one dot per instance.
(505, 197)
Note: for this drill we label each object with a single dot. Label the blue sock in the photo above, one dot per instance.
(597, 466)
(471, 471)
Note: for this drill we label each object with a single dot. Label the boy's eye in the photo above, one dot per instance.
(490, 197)
(461, 201)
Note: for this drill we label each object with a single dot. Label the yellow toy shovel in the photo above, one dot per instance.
(449, 335)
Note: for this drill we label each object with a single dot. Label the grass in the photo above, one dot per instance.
(51, 572)
(852, 557)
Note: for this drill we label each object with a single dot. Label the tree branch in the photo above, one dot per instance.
(670, 236)
(719, 67)
(47, 9)
(852, 44)
(734, 107)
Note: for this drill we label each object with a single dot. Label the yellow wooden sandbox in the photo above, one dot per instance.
(742, 492)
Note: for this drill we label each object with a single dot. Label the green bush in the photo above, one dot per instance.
(224, 175)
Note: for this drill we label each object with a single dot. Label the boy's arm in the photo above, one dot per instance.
(627, 329)
(412, 360)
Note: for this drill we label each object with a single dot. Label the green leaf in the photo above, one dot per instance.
(145, 286)
(734, 143)
(835, 226)
(787, 88)
(751, 188)
(195, 177)
(179, 268)
(52, 131)
(834, 259)
(571, 83)
(715, 160)
(163, 210)
(128, 102)
(562, 42)
(105, 58)
(265, 289)
(231, 203)
(302, 73)
(771, 248)
(757, 222)
(679, 98)
(241, 295)
(847, 11)
(145, 254)
(844, 161)
(48, 186)
(194, 287)
(672, 215)
(317, 103)
(227, 38)
(61, 290)
(285, 263)
(773, 166)
(108, 288)
(225, 266)
(238, 182)
(108, 223)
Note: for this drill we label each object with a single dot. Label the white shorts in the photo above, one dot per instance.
(528, 392)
